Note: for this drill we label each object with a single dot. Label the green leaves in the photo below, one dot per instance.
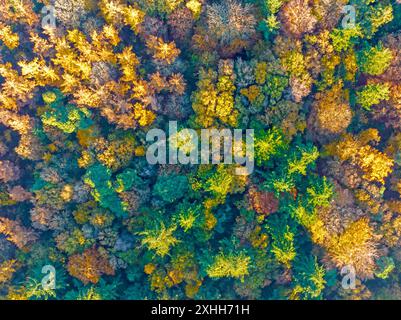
(309, 278)
(159, 239)
(375, 60)
(373, 94)
(66, 117)
(170, 188)
(320, 193)
(99, 178)
(343, 39)
(267, 144)
(300, 160)
(282, 232)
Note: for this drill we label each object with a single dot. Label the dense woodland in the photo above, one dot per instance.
(320, 87)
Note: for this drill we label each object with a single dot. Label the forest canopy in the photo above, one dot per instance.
(82, 82)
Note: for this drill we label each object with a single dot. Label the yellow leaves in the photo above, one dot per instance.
(69, 83)
(84, 66)
(63, 48)
(149, 268)
(110, 33)
(15, 87)
(171, 5)
(77, 38)
(294, 62)
(112, 10)
(7, 102)
(39, 71)
(231, 265)
(115, 12)
(375, 164)
(160, 239)
(285, 256)
(343, 149)
(143, 116)
(355, 247)
(140, 151)
(195, 6)
(127, 56)
(32, 68)
(322, 40)
(213, 102)
(133, 17)
(351, 65)
(369, 135)
(67, 60)
(128, 62)
(166, 52)
(258, 239)
(177, 83)
(139, 90)
(7, 269)
(208, 97)
(333, 112)
(19, 11)
(251, 93)
(225, 84)
(67, 192)
(158, 82)
(9, 38)
(210, 219)
(261, 72)
(318, 231)
(85, 160)
(7, 71)
(21, 124)
(86, 97)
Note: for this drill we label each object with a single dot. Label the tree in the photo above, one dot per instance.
(372, 94)
(7, 269)
(98, 178)
(301, 159)
(89, 266)
(320, 193)
(331, 110)
(309, 281)
(268, 143)
(165, 52)
(16, 233)
(213, 101)
(375, 165)
(230, 24)
(171, 188)
(282, 233)
(229, 265)
(159, 239)
(297, 18)
(375, 60)
(356, 247)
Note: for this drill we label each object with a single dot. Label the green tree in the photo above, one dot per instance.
(372, 94)
(282, 232)
(375, 60)
(170, 188)
(309, 279)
